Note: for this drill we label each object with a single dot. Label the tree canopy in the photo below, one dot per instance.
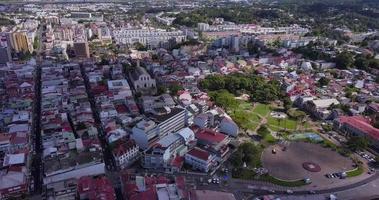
(259, 89)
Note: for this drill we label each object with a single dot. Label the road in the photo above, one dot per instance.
(37, 167)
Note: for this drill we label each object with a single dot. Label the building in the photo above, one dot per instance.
(200, 160)
(149, 37)
(150, 103)
(126, 154)
(95, 188)
(229, 127)
(142, 81)
(153, 187)
(202, 27)
(214, 142)
(81, 49)
(319, 108)
(145, 133)
(5, 55)
(169, 120)
(358, 126)
(210, 195)
(235, 44)
(63, 190)
(20, 42)
(204, 120)
(81, 15)
(160, 123)
(161, 155)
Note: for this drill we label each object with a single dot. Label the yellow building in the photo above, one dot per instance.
(20, 42)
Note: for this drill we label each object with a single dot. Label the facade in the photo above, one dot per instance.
(142, 81)
(168, 148)
(149, 37)
(81, 49)
(319, 108)
(126, 154)
(169, 120)
(200, 160)
(21, 43)
(5, 55)
(145, 133)
(357, 126)
(160, 123)
(214, 142)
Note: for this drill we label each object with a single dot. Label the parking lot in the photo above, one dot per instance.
(288, 164)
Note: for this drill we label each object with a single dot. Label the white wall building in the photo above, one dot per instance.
(147, 36)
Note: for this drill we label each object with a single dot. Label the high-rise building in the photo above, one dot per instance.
(20, 42)
(5, 55)
(235, 43)
(81, 49)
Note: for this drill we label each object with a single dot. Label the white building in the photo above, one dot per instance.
(200, 160)
(161, 123)
(167, 148)
(142, 81)
(145, 133)
(147, 36)
(126, 154)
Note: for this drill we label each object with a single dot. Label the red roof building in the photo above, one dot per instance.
(358, 126)
(95, 188)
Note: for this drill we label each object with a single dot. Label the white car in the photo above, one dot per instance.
(289, 192)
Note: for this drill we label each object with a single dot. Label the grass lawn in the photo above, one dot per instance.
(269, 139)
(276, 181)
(276, 124)
(244, 116)
(356, 172)
(262, 109)
(247, 174)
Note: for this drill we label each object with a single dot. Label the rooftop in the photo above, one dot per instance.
(362, 124)
(210, 136)
(198, 153)
(211, 195)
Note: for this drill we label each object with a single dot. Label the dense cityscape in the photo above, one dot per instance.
(189, 100)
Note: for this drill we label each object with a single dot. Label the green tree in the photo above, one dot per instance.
(357, 143)
(263, 131)
(361, 63)
(161, 89)
(224, 99)
(140, 46)
(374, 63)
(344, 60)
(174, 89)
(323, 81)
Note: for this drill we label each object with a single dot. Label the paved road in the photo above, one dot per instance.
(257, 188)
(37, 170)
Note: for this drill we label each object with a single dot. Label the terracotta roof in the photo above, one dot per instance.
(198, 153)
(210, 136)
(125, 147)
(150, 194)
(362, 124)
(96, 189)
